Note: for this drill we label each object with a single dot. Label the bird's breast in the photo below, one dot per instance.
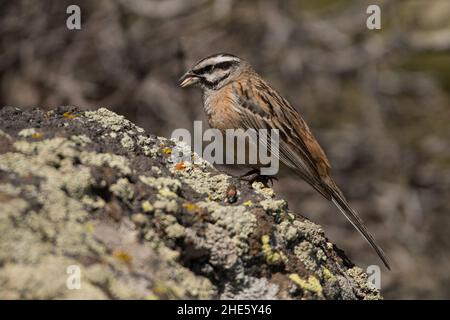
(219, 108)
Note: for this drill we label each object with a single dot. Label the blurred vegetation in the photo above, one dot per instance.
(377, 100)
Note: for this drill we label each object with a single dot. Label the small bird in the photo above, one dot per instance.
(236, 97)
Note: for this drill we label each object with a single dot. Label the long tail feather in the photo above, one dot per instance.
(357, 222)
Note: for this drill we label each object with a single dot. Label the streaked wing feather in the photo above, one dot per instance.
(293, 154)
(298, 148)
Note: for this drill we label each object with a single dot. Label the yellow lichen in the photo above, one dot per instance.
(147, 206)
(37, 135)
(166, 291)
(90, 227)
(166, 193)
(328, 275)
(190, 207)
(312, 284)
(272, 257)
(123, 256)
(248, 203)
(69, 115)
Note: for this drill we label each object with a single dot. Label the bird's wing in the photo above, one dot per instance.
(264, 108)
(261, 107)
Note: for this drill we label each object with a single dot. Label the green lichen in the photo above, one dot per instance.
(261, 189)
(9, 189)
(139, 219)
(166, 193)
(274, 206)
(146, 145)
(93, 203)
(106, 159)
(122, 189)
(165, 206)
(214, 186)
(127, 142)
(109, 119)
(194, 175)
(81, 140)
(173, 185)
(306, 253)
(288, 230)
(292, 230)
(174, 230)
(237, 221)
(28, 132)
(366, 290)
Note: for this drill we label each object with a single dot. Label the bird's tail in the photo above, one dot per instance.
(339, 200)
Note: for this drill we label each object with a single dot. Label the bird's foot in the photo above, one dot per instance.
(255, 175)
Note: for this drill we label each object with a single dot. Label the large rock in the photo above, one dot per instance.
(92, 192)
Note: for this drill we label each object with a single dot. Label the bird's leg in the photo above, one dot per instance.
(255, 175)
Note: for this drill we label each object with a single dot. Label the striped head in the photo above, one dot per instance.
(214, 71)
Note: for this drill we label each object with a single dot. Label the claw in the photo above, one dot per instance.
(255, 175)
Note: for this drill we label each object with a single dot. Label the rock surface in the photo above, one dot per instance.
(90, 194)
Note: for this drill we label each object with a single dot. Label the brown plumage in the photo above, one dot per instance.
(236, 97)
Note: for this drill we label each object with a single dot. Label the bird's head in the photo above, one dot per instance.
(214, 71)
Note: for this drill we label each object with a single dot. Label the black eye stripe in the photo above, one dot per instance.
(203, 70)
(209, 68)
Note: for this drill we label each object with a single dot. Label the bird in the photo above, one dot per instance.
(235, 96)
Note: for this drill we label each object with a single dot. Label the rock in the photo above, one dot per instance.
(92, 192)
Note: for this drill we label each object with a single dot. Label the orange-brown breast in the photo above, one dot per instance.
(219, 109)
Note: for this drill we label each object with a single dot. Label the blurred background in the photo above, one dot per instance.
(377, 100)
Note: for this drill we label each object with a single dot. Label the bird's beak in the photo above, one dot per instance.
(188, 79)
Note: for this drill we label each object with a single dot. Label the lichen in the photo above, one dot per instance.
(273, 206)
(365, 290)
(174, 230)
(147, 206)
(173, 185)
(139, 218)
(214, 186)
(309, 256)
(28, 132)
(106, 159)
(165, 206)
(263, 190)
(81, 140)
(195, 175)
(311, 284)
(237, 221)
(122, 189)
(172, 234)
(272, 257)
(127, 142)
(327, 275)
(109, 120)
